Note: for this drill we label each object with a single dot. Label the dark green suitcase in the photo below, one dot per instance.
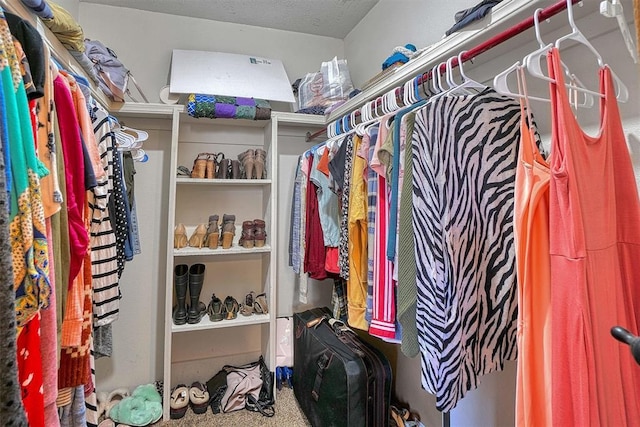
(338, 379)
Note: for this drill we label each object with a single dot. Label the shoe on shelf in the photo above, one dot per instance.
(260, 160)
(260, 304)
(224, 170)
(182, 171)
(213, 164)
(180, 283)
(259, 233)
(247, 239)
(179, 401)
(197, 238)
(246, 309)
(235, 169)
(231, 306)
(198, 397)
(228, 230)
(212, 237)
(199, 169)
(216, 310)
(197, 309)
(180, 237)
(247, 158)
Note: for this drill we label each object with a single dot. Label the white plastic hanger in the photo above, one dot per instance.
(533, 60)
(612, 9)
(500, 81)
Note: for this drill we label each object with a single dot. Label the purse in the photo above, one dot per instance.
(242, 382)
(248, 386)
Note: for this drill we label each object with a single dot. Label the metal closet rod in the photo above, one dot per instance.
(473, 52)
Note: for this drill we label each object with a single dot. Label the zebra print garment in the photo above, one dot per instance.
(464, 158)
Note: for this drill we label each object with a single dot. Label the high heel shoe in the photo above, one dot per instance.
(247, 239)
(247, 158)
(213, 161)
(228, 230)
(213, 233)
(199, 169)
(259, 234)
(235, 169)
(224, 169)
(197, 238)
(260, 159)
(180, 237)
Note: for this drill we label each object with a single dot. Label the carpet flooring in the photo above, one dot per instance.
(288, 414)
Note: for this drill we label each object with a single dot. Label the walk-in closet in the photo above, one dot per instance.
(461, 226)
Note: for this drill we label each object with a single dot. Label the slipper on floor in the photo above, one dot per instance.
(114, 398)
(179, 401)
(199, 397)
(140, 409)
(102, 398)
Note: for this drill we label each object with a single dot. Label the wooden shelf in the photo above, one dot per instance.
(205, 323)
(233, 250)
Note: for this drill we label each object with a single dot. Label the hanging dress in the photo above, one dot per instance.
(594, 216)
(531, 215)
(465, 152)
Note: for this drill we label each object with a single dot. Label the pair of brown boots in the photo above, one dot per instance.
(253, 234)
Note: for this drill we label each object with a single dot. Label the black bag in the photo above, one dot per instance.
(338, 379)
(217, 386)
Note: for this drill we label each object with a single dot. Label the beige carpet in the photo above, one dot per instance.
(288, 414)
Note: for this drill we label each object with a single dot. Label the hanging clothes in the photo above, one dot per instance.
(531, 205)
(13, 413)
(406, 264)
(357, 223)
(383, 310)
(464, 150)
(594, 245)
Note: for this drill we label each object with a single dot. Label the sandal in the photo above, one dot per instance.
(260, 305)
(216, 309)
(179, 402)
(231, 305)
(199, 169)
(198, 397)
(246, 309)
(114, 398)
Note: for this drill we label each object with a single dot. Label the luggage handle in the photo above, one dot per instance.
(323, 362)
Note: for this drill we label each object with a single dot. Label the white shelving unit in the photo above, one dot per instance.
(197, 351)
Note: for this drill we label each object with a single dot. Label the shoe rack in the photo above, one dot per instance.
(196, 351)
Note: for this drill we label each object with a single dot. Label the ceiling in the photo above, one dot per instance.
(331, 18)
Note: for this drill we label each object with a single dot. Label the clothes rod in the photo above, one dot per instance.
(469, 54)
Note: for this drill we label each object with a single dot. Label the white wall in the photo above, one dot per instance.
(144, 42)
(71, 6)
(394, 23)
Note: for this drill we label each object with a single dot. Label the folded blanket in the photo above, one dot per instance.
(228, 107)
